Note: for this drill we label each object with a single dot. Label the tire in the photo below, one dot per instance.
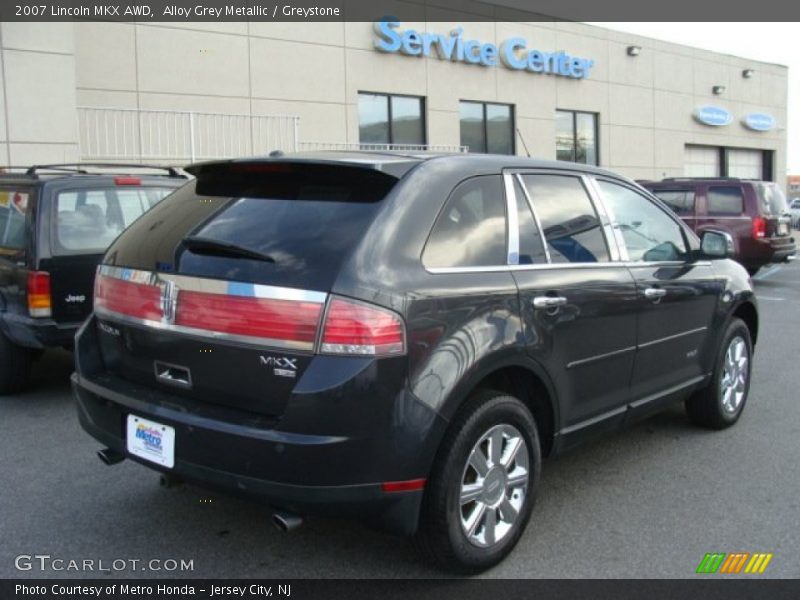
(15, 366)
(719, 405)
(442, 538)
(753, 270)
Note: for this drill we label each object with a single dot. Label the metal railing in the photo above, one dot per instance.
(117, 134)
(382, 147)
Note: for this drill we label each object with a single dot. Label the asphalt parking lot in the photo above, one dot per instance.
(647, 502)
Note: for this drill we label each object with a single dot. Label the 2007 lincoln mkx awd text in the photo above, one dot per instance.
(402, 338)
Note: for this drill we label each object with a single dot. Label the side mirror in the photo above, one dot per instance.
(716, 244)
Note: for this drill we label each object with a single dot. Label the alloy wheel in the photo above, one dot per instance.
(735, 372)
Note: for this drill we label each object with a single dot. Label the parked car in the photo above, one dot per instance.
(55, 223)
(794, 212)
(755, 213)
(402, 338)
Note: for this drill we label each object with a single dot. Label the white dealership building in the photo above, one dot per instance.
(173, 92)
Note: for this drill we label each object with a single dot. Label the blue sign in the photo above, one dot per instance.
(716, 116)
(759, 121)
(512, 53)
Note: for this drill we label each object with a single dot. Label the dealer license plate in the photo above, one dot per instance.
(152, 441)
(783, 229)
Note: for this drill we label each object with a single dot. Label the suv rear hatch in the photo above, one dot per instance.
(776, 222)
(85, 217)
(217, 294)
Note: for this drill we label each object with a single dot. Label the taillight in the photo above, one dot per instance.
(285, 320)
(130, 298)
(759, 228)
(39, 301)
(354, 328)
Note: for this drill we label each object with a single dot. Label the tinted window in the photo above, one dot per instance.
(725, 200)
(681, 201)
(650, 234)
(13, 206)
(531, 247)
(89, 220)
(471, 231)
(571, 226)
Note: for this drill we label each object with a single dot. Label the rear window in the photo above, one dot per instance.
(773, 201)
(305, 217)
(680, 201)
(88, 220)
(13, 206)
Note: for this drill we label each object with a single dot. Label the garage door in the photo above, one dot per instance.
(701, 161)
(746, 164)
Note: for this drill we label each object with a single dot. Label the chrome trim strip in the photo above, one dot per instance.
(204, 334)
(631, 405)
(667, 392)
(594, 420)
(612, 239)
(214, 286)
(672, 337)
(535, 216)
(512, 249)
(591, 359)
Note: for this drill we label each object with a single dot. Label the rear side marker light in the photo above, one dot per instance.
(39, 299)
(353, 328)
(759, 228)
(129, 298)
(412, 485)
(127, 181)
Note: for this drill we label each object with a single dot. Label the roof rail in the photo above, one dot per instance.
(80, 168)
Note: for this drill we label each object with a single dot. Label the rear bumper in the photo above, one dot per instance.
(339, 474)
(775, 250)
(38, 333)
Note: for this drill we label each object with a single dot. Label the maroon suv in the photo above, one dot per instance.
(755, 213)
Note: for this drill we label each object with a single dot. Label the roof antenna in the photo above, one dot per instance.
(276, 154)
(524, 145)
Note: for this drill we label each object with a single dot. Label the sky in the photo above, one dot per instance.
(769, 42)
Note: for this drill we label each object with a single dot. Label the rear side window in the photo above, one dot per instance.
(13, 207)
(89, 220)
(725, 200)
(570, 224)
(680, 201)
(471, 230)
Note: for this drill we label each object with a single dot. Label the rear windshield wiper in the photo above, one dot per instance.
(203, 245)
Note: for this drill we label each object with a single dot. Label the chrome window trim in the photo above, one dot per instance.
(512, 221)
(603, 265)
(518, 177)
(614, 240)
(213, 286)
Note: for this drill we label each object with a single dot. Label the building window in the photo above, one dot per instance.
(487, 127)
(391, 120)
(576, 137)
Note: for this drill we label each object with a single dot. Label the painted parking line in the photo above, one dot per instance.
(773, 298)
(767, 273)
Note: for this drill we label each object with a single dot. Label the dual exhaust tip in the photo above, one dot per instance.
(283, 521)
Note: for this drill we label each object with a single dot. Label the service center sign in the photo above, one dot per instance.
(513, 53)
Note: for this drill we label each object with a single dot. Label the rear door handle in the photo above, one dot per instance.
(173, 374)
(654, 293)
(547, 302)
